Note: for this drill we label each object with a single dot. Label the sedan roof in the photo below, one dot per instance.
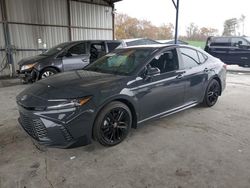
(150, 46)
(160, 46)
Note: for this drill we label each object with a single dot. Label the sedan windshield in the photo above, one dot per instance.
(54, 50)
(122, 61)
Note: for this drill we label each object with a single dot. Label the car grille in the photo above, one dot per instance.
(66, 134)
(34, 127)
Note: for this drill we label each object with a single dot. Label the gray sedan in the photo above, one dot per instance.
(119, 91)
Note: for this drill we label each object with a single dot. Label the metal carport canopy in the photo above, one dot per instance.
(112, 1)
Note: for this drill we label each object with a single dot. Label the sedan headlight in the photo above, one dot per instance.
(26, 67)
(69, 103)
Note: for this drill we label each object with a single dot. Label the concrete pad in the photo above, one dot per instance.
(199, 147)
(237, 68)
(7, 82)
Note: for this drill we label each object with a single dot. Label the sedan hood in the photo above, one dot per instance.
(68, 85)
(30, 60)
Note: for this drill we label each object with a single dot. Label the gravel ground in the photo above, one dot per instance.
(199, 147)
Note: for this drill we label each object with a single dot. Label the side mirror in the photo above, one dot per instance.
(152, 71)
(239, 44)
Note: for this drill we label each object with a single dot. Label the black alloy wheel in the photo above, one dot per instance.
(212, 93)
(113, 124)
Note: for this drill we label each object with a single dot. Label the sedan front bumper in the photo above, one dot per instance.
(27, 76)
(47, 129)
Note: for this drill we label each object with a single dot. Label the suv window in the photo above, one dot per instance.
(112, 45)
(100, 47)
(166, 61)
(78, 49)
(97, 50)
(235, 41)
(190, 57)
(220, 41)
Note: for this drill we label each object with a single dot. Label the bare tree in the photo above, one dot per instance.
(192, 31)
(196, 33)
(128, 27)
(207, 31)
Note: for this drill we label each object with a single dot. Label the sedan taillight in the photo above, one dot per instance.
(225, 66)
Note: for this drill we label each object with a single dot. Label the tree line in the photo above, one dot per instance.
(129, 27)
(193, 32)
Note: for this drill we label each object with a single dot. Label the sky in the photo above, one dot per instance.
(204, 13)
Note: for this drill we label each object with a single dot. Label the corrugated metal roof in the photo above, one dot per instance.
(114, 1)
(0, 13)
(26, 36)
(17, 56)
(2, 42)
(6, 71)
(91, 34)
(37, 11)
(107, 2)
(90, 15)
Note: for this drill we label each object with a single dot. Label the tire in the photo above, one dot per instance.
(212, 93)
(47, 72)
(112, 124)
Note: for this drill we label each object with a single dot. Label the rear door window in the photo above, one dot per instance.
(202, 57)
(166, 61)
(97, 50)
(112, 45)
(190, 58)
(77, 50)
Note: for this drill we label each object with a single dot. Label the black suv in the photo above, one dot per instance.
(231, 50)
(66, 56)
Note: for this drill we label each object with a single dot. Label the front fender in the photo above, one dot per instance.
(54, 63)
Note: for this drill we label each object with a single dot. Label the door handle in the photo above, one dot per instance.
(179, 76)
(84, 60)
(206, 70)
